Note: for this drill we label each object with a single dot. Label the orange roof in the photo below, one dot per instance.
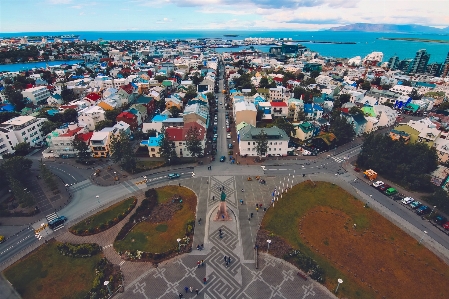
(71, 133)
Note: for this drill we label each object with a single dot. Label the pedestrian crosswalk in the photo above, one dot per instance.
(51, 216)
(338, 159)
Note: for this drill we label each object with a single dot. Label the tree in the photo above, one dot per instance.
(67, 95)
(160, 78)
(264, 83)
(103, 124)
(166, 147)
(81, 147)
(344, 98)
(49, 126)
(366, 85)
(343, 130)
(111, 114)
(190, 94)
(300, 116)
(15, 98)
(261, 143)
(385, 86)
(284, 125)
(376, 81)
(259, 114)
(122, 151)
(17, 167)
(5, 116)
(174, 111)
(70, 115)
(415, 95)
(314, 74)
(193, 142)
(22, 148)
(197, 80)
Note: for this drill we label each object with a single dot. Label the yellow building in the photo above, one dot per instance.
(99, 144)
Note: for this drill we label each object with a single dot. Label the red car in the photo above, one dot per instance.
(228, 129)
(384, 187)
(446, 225)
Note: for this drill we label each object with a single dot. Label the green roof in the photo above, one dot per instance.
(409, 130)
(369, 111)
(306, 127)
(412, 107)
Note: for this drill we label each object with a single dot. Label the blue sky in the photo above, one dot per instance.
(140, 15)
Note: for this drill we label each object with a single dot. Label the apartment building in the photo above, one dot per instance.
(99, 144)
(90, 116)
(36, 94)
(25, 129)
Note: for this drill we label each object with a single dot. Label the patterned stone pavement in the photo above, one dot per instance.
(274, 278)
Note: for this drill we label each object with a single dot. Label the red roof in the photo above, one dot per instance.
(200, 128)
(278, 104)
(174, 134)
(93, 97)
(68, 106)
(277, 79)
(71, 133)
(85, 136)
(128, 88)
(344, 110)
(127, 115)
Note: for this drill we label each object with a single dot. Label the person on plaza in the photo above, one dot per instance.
(180, 295)
(241, 201)
(204, 280)
(252, 215)
(196, 291)
(257, 209)
(202, 262)
(198, 264)
(242, 189)
(202, 246)
(199, 221)
(191, 290)
(186, 289)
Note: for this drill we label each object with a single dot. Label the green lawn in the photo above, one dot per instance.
(46, 273)
(104, 216)
(149, 164)
(161, 237)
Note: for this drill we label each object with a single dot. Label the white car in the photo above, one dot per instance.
(215, 135)
(228, 136)
(377, 184)
(407, 200)
(221, 103)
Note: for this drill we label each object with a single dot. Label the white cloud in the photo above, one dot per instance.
(59, 1)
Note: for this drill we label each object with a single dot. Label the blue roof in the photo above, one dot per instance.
(317, 107)
(308, 108)
(52, 112)
(159, 118)
(6, 107)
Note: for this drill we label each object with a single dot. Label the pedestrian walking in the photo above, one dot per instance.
(202, 262)
(186, 289)
(225, 258)
(227, 264)
(191, 290)
(179, 184)
(229, 259)
(257, 205)
(196, 291)
(199, 221)
(241, 201)
(213, 198)
(181, 295)
(204, 280)
(198, 264)
(242, 189)
(257, 209)
(252, 215)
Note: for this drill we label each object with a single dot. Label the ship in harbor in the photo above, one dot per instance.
(53, 37)
(230, 35)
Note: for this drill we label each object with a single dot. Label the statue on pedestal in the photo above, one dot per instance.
(222, 213)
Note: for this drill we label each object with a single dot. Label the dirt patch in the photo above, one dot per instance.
(164, 212)
(278, 247)
(385, 260)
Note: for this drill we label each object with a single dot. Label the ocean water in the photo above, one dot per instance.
(366, 42)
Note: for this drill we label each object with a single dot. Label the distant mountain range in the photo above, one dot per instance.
(366, 27)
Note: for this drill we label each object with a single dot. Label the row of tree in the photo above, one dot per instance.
(407, 164)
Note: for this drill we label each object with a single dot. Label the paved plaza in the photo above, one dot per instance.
(274, 278)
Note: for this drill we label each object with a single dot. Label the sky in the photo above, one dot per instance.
(148, 15)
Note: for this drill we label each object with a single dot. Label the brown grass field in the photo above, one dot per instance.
(375, 259)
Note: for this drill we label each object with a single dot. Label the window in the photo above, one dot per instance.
(254, 143)
(280, 149)
(274, 149)
(280, 143)
(249, 143)
(275, 143)
(271, 143)
(249, 149)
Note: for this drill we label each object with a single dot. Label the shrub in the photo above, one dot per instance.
(79, 250)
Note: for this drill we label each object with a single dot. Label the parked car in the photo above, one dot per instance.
(382, 188)
(423, 210)
(228, 129)
(440, 219)
(214, 140)
(215, 135)
(230, 146)
(416, 204)
(446, 226)
(222, 158)
(378, 184)
(228, 136)
(2, 239)
(173, 175)
(391, 191)
(397, 197)
(407, 200)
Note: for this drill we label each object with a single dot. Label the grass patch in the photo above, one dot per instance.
(365, 257)
(105, 218)
(146, 165)
(45, 273)
(161, 237)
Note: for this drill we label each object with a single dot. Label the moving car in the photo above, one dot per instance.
(57, 222)
(440, 219)
(446, 226)
(173, 175)
(378, 184)
(222, 158)
(407, 200)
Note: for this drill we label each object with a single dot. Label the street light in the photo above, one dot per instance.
(106, 283)
(339, 282)
(269, 242)
(420, 240)
(179, 244)
(98, 197)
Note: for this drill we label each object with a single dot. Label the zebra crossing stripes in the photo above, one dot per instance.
(51, 216)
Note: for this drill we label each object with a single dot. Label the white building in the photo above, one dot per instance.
(278, 94)
(7, 141)
(277, 141)
(36, 94)
(60, 141)
(25, 129)
(90, 116)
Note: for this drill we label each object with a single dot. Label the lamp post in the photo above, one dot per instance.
(420, 240)
(269, 242)
(179, 244)
(339, 282)
(432, 211)
(98, 198)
